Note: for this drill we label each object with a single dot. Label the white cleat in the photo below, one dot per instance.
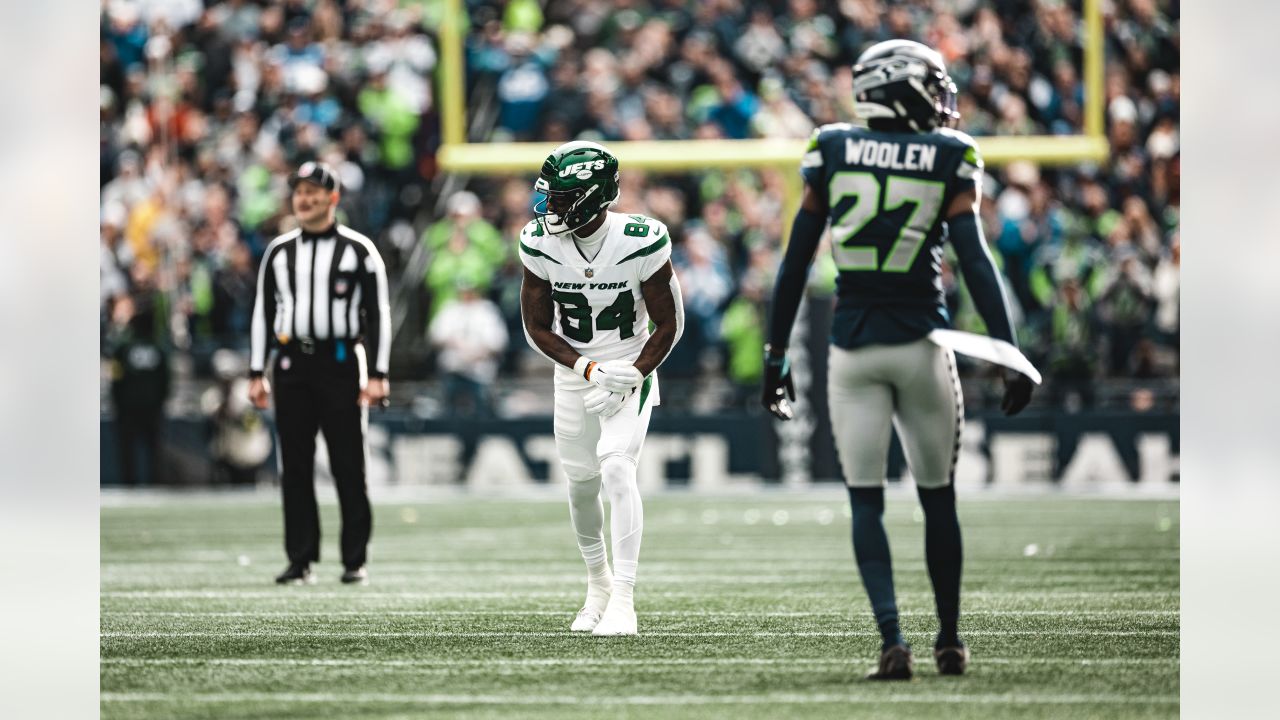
(617, 620)
(587, 620)
(598, 594)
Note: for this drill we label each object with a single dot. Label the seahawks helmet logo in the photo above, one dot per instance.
(583, 170)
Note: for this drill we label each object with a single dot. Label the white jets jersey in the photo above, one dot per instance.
(599, 309)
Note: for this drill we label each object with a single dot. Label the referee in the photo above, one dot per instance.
(322, 296)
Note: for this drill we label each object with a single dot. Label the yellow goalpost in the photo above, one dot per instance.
(456, 155)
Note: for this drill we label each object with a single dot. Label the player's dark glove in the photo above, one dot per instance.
(778, 388)
(1017, 392)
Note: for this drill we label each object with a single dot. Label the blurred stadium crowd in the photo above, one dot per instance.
(206, 107)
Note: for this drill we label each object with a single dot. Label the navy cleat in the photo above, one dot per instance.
(952, 660)
(896, 663)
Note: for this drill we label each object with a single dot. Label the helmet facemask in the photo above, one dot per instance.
(945, 101)
(563, 211)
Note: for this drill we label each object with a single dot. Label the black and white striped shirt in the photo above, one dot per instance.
(329, 285)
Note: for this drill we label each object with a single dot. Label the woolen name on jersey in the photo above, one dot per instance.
(889, 154)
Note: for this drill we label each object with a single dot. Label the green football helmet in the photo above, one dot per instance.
(579, 180)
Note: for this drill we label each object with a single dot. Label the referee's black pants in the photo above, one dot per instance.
(319, 391)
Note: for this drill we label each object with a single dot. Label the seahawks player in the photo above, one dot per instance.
(893, 194)
(594, 283)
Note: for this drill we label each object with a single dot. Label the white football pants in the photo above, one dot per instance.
(596, 451)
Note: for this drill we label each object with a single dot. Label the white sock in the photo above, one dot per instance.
(618, 475)
(586, 511)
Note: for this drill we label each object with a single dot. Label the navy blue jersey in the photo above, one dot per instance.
(886, 194)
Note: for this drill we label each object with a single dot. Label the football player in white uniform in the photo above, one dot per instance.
(601, 301)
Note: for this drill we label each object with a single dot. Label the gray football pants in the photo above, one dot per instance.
(913, 386)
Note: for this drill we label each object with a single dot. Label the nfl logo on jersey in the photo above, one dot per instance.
(589, 272)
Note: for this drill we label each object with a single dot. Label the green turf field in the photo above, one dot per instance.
(749, 607)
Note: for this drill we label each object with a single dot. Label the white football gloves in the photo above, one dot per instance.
(617, 376)
(604, 403)
(615, 381)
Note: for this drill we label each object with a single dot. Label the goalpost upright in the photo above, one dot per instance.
(456, 155)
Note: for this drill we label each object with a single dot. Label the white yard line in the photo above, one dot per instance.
(294, 634)
(1121, 579)
(817, 556)
(294, 594)
(762, 699)
(447, 665)
(231, 559)
(658, 613)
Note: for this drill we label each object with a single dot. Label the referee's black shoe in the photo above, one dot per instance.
(354, 576)
(296, 575)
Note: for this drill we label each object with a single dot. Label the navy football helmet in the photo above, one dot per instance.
(902, 85)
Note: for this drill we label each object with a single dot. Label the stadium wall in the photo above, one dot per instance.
(1089, 451)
